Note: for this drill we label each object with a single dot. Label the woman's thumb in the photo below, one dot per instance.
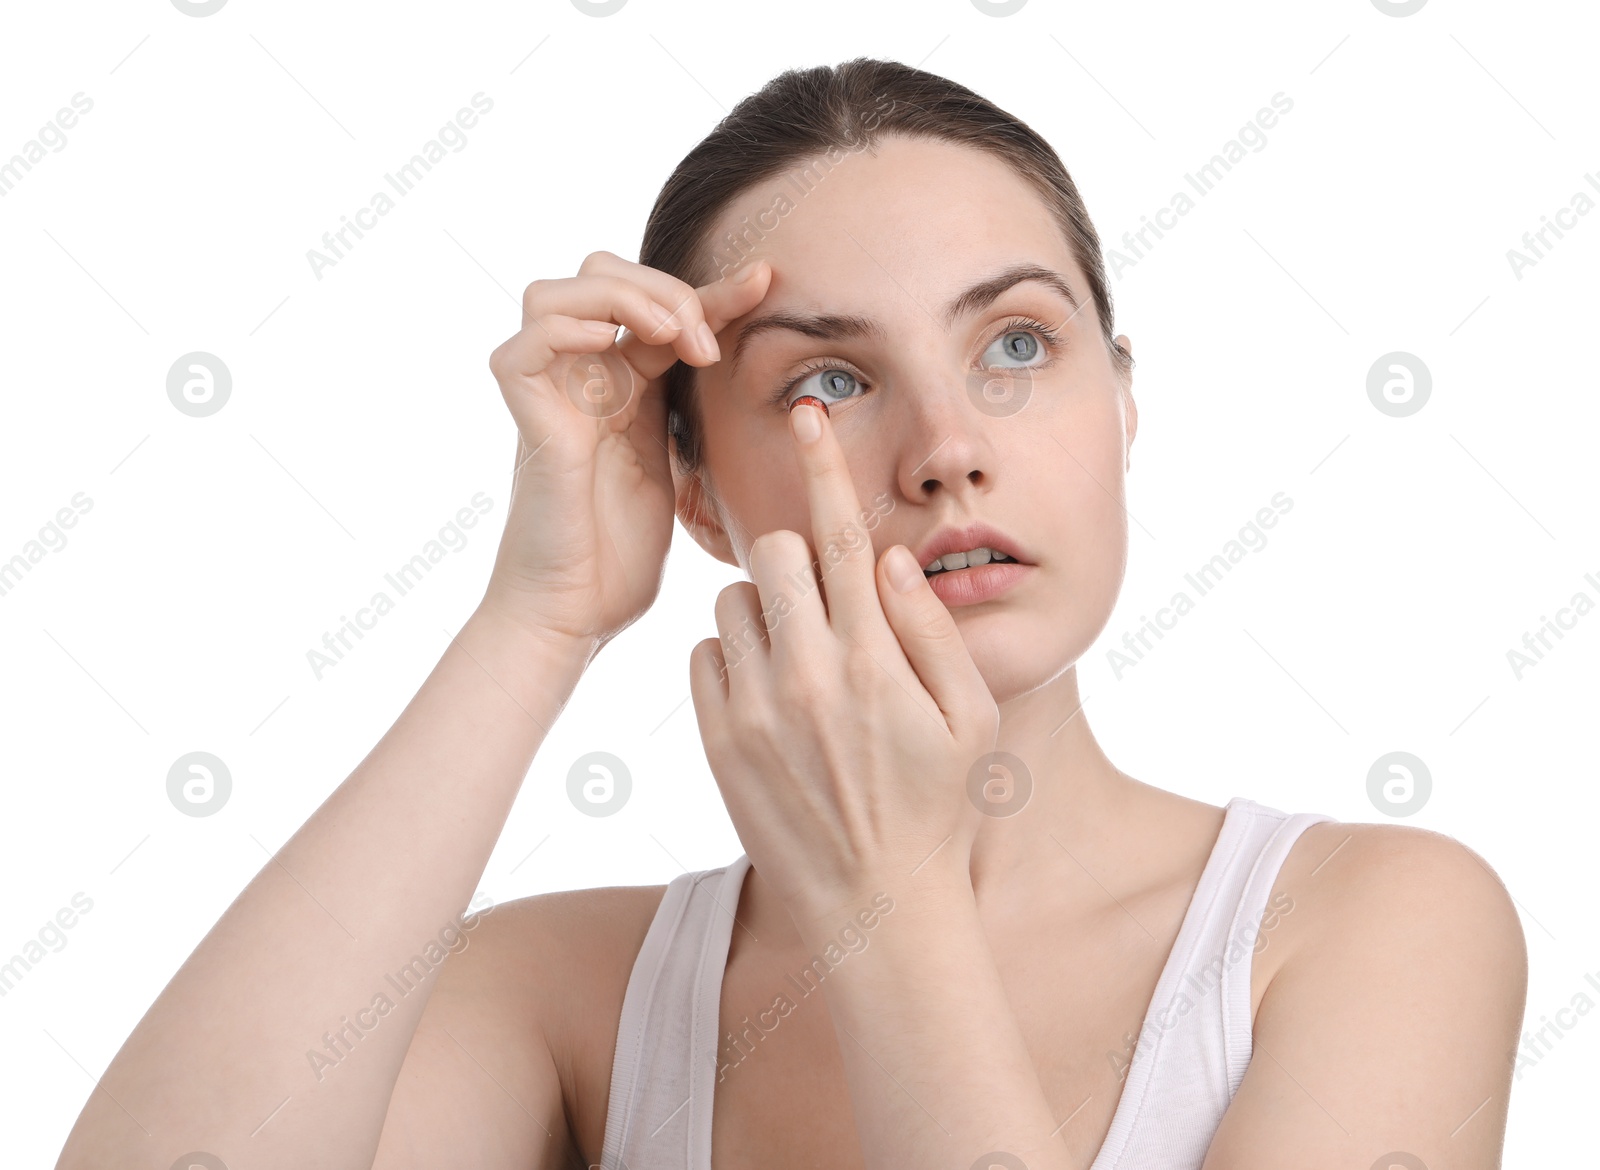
(735, 294)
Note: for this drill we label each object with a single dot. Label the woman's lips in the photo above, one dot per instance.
(977, 582)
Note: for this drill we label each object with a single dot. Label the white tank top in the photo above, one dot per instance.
(1186, 1064)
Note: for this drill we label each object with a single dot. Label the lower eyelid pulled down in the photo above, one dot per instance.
(1051, 338)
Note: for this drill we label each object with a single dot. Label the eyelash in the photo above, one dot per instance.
(1052, 339)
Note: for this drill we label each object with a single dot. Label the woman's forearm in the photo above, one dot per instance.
(938, 1071)
(258, 1038)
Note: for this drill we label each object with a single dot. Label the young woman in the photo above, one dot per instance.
(870, 360)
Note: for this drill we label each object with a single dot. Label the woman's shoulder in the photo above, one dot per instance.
(1399, 990)
(528, 998)
(557, 964)
(1370, 869)
(568, 950)
(1354, 893)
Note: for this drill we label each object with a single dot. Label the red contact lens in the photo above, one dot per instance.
(811, 398)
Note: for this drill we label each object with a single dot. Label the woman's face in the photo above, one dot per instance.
(947, 418)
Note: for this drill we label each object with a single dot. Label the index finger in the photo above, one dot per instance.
(843, 547)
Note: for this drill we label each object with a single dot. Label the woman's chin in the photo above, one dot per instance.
(1011, 671)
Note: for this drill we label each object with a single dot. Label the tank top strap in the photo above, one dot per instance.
(1189, 1057)
(1271, 834)
(658, 1115)
(1195, 1043)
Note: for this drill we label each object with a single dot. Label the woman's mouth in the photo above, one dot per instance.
(966, 578)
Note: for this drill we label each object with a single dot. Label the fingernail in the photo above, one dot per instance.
(744, 273)
(904, 573)
(806, 423)
(708, 341)
(813, 400)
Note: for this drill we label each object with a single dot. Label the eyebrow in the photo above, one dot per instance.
(837, 327)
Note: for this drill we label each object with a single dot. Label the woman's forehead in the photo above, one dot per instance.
(909, 207)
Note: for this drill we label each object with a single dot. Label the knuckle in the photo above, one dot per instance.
(502, 363)
(844, 540)
(738, 631)
(751, 717)
(641, 302)
(732, 594)
(513, 356)
(777, 547)
(710, 651)
(534, 289)
(927, 624)
(685, 302)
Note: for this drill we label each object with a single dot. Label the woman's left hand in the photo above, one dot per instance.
(842, 733)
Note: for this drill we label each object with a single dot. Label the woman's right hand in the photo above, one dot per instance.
(590, 519)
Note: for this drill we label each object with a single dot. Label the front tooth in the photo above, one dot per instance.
(931, 565)
(979, 556)
(954, 560)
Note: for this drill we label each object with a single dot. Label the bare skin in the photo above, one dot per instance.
(1029, 949)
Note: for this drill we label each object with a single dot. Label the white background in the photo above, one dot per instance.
(218, 550)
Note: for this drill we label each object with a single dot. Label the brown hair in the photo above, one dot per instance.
(803, 113)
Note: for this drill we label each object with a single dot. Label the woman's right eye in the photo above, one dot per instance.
(829, 383)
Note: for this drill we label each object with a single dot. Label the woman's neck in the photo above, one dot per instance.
(1088, 831)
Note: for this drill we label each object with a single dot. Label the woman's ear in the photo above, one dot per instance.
(696, 506)
(1130, 407)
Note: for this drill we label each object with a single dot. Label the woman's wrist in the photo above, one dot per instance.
(931, 896)
(493, 612)
(533, 665)
(915, 948)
